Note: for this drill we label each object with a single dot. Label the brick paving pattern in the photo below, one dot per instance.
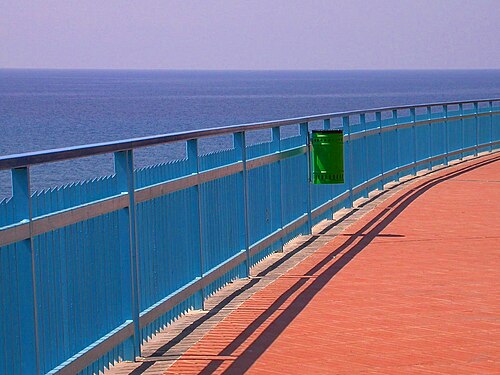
(407, 283)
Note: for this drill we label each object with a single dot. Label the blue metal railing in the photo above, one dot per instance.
(89, 271)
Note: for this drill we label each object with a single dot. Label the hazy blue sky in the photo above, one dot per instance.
(271, 34)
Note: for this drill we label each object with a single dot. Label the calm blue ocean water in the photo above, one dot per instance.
(42, 109)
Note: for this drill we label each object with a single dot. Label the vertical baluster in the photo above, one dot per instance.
(327, 125)
(476, 118)
(347, 130)
(278, 181)
(461, 110)
(124, 170)
(28, 314)
(414, 138)
(193, 161)
(364, 152)
(398, 143)
(64, 234)
(431, 153)
(446, 141)
(490, 109)
(304, 133)
(241, 149)
(378, 119)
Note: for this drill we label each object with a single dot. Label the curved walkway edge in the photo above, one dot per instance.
(405, 283)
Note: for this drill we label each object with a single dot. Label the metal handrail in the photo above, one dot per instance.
(73, 152)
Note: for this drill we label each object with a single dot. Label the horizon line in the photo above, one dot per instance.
(250, 70)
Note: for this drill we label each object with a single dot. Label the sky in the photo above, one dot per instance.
(250, 35)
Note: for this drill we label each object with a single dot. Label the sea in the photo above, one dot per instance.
(45, 109)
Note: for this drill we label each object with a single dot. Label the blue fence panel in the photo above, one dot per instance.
(406, 143)
(261, 198)
(423, 135)
(158, 173)
(167, 259)
(77, 278)
(374, 152)
(469, 132)
(219, 158)
(438, 138)
(390, 149)
(292, 142)
(358, 159)
(71, 195)
(264, 197)
(260, 149)
(222, 207)
(454, 132)
(495, 120)
(7, 210)
(320, 195)
(294, 192)
(483, 132)
(15, 275)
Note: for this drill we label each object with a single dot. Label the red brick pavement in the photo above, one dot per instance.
(411, 288)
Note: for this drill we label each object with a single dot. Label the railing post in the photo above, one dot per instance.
(490, 108)
(347, 130)
(28, 306)
(431, 153)
(461, 110)
(194, 168)
(414, 138)
(278, 180)
(398, 163)
(362, 121)
(304, 132)
(327, 125)
(378, 119)
(124, 170)
(476, 111)
(240, 146)
(446, 142)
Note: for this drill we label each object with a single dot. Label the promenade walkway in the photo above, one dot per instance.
(405, 283)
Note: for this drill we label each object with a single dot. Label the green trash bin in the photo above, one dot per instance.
(327, 151)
